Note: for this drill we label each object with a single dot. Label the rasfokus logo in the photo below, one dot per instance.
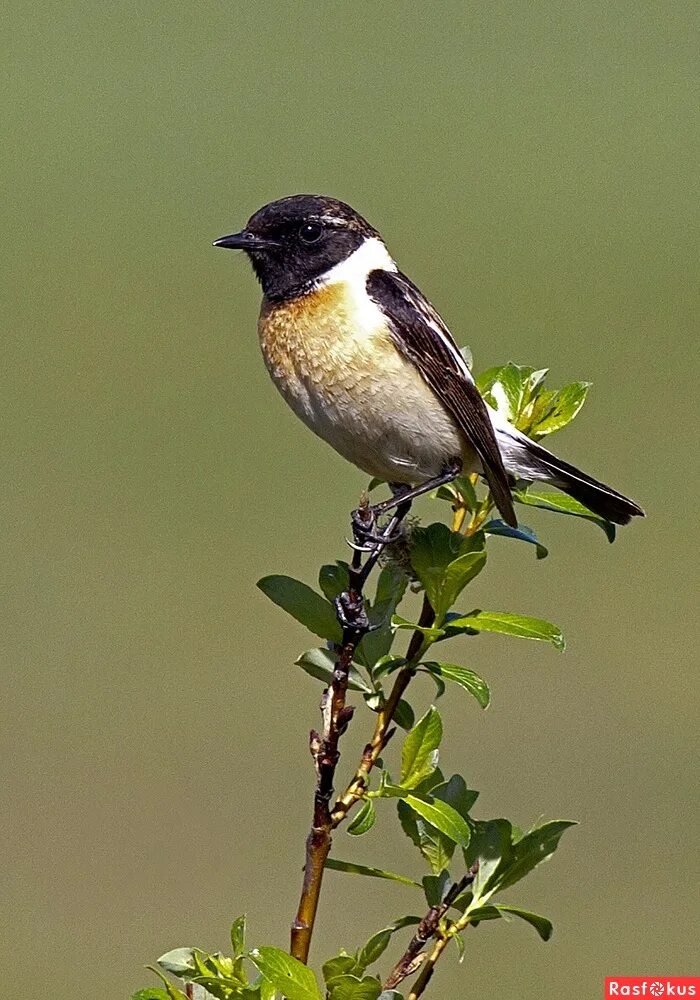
(652, 986)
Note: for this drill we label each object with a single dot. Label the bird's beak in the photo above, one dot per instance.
(245, 241)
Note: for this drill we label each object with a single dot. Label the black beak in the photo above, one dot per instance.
(245, 241)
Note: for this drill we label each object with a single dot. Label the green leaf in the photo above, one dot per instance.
(531, 850)
(458, 574)
(391, 587)
(436, 887)
(172, 992)
(387, 665)
(419, 754)
(353, 988)
(491, 842)
(507, 391)
(374, 949)
(333, 579)
(480, 913)
(541, 924)
(445, 561)
(560, 503)
(320, 663)
(238, 929)
(397, 622)
(340, 965)
(151, 993)
(180, 962)
(506, 624)
(289, 976)
(467, 679)
(304, 604)
(456, 794)
(436, 848)
(558, 408)
(364, 820)
(459, 492)
(404, 715)
(442, 816)
(522, 533)
(377, 944)
(352, 869)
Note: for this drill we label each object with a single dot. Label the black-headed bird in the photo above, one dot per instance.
(364, 359)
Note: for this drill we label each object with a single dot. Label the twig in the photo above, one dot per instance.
(383, 730)
(427, 929)
(324, 750)
(324, 747)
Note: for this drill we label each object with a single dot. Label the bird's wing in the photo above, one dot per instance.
(421, 336)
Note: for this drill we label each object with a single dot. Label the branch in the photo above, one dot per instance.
(428, 928)
(383, 730)
(324, 750)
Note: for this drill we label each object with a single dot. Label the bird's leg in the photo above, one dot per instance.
(388, 535)
(402, 494)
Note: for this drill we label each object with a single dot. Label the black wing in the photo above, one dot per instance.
(422, 337)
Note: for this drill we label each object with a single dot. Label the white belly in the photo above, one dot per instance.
(350, 385)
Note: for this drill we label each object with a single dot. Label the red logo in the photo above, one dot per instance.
(652, 986)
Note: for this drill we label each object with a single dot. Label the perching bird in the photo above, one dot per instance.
(365, 360)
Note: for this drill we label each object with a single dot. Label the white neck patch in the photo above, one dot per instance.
(371, 255)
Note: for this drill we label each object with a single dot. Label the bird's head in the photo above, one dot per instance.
(295, 241)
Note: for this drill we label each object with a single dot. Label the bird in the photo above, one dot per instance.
(367, 363)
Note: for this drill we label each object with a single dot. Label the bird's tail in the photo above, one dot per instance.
(528, 460)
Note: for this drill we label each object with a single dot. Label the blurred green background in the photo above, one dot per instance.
(533, 168)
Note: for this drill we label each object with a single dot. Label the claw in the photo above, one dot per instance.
(359, 548)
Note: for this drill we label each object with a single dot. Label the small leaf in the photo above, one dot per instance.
(353, 988)
(436, 848)
(507, 391)
(522, 533)
(320, 663)
(445, 561)
(541, 924)
(531, 850)
(289, 976)
(404, 715)
(364, 820)
(377, 944)
(458, 574)
(172, 992)
(341, 965)
(333, 579)
(560, 503)
(491, 842)
(466, 679)
(436, 887)
(480, 913)
(238, 936)
(304, 604)
(517, 625)
(560, 408)
(397, 622)
(456, 794)
(444, 817)
(352, 869)
(387, 665)
(419, 751)
(179, 961)
(391, 587)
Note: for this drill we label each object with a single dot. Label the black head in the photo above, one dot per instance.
(293, 241)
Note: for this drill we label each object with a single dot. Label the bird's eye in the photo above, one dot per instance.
(310, 232)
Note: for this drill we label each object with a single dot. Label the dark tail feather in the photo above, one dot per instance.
(601, 499)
